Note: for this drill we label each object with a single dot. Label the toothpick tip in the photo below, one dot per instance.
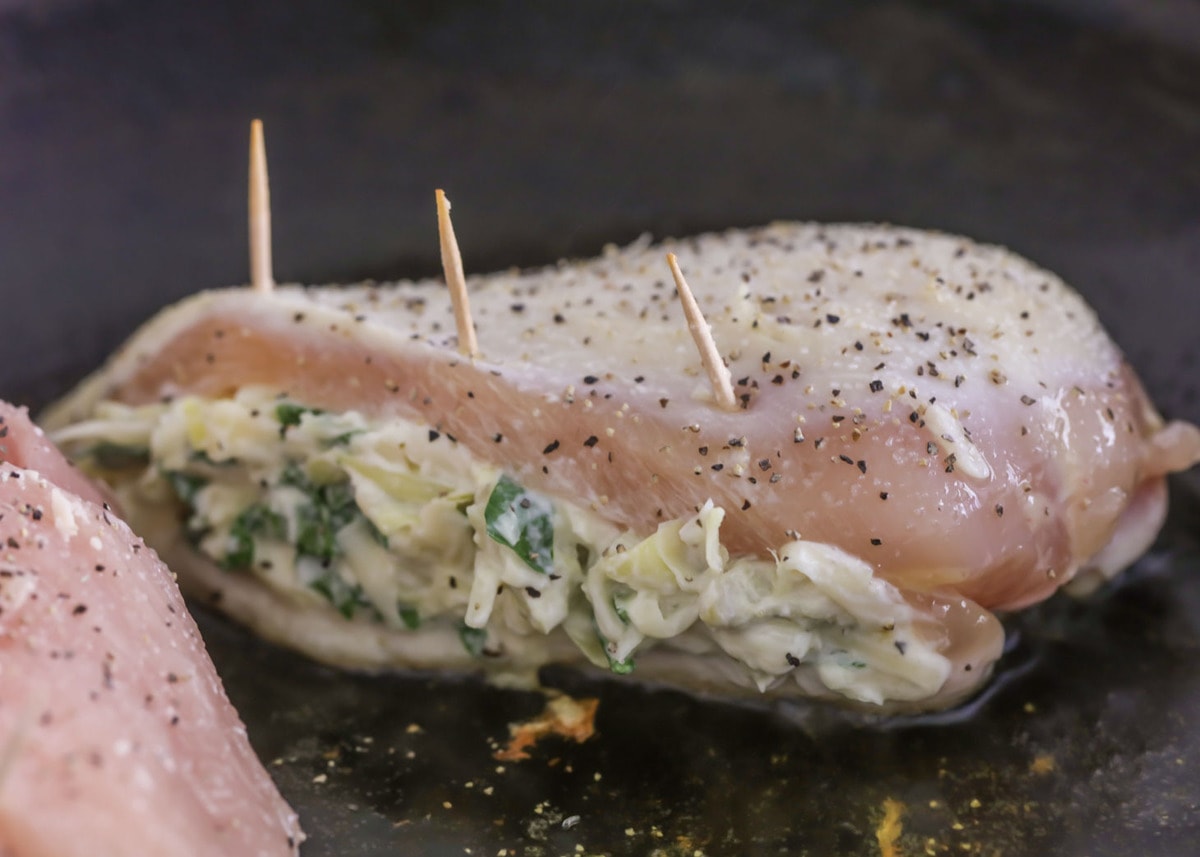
(261, 276)
(456, 280)
(718, 372)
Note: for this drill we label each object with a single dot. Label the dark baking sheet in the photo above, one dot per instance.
(1068, 130)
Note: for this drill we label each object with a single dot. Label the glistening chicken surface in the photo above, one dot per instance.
(116, 736)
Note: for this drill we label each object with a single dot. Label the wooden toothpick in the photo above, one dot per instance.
(718, 372)
(453, 267)
(261, 277)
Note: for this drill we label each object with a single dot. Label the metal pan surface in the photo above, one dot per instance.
(1067, 130)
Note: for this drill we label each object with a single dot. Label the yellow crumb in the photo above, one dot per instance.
(890, 828)
(1043, 764)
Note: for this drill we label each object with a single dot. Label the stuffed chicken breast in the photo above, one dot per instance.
(927, 431)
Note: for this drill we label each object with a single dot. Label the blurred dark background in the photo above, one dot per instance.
(1068, 130)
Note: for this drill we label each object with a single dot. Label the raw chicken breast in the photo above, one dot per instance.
(116, 736)
(929, 430)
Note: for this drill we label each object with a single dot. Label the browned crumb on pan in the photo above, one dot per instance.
(890, 827)
(1042, 764)
(563, 715)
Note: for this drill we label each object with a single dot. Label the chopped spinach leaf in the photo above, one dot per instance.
(201, 456)
(346, 597)
(329, 508)
(624, 667)
(473, 639)
(318, 533)
(242, 555)
(409, 616)
(117, 456)
(522, 520)
(342, 439)
(377, 534)
(289, 414)
(294, 476)
(338, 495)
(185, 485)
(256, 520)
(318, 524)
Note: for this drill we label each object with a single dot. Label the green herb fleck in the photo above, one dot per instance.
(256, 520)
(289, 414)
(522, 520)
(377, 534)
(624, 667)
(342, 439)
(201, 456)
(473, 639)
(409, 616)
(329, 508)
(294, 475)
(185, 485)
(347, 598)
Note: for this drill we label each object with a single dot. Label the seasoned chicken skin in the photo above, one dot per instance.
(116, 736)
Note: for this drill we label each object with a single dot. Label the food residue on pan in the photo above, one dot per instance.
(563, 715)
(887, 834)
(1042, 764)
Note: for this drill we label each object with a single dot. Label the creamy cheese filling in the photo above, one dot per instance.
(396, 523)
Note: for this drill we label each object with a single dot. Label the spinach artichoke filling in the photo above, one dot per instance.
(395, 523)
